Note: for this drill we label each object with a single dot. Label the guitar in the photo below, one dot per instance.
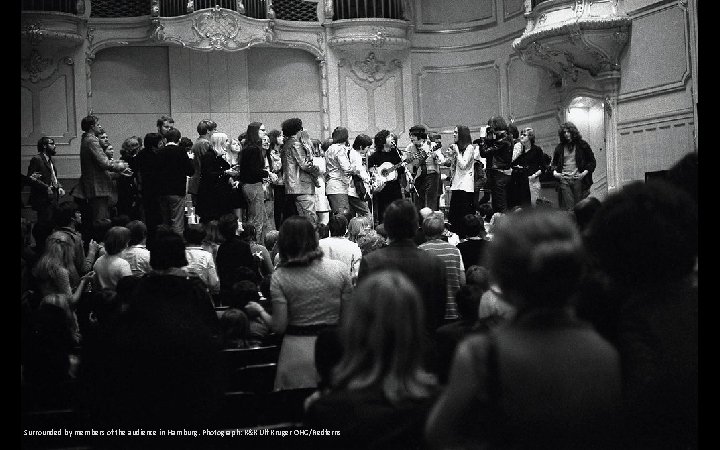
(385, 173)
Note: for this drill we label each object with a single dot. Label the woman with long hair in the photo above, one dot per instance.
(215, 190)
(308, 291)
(462, 156)
(278, 185)
(252, 173)
(380, 392)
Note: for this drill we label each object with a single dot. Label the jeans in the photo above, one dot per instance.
(499, 188)
(535, 186)
(427, 187)
(305, 206)
(358, 207)
(571, 192)
(256, 208)
(172, 209)
(339, 203)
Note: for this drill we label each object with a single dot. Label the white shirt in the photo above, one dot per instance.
(342, 249)
(356, 162)
(463, 169)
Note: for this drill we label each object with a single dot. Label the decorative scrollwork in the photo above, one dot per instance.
(34, 33)
(371, 69)
(218, 27)
(379, 38)
(579, 6)
(35, 64)
(80, 5)
(190, 6)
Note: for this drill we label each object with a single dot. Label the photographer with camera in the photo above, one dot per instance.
(426, 158)
(497, 150)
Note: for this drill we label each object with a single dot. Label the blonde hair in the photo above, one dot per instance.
(379, 350)
(219, 141)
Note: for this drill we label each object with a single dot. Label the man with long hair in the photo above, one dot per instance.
(573, 164)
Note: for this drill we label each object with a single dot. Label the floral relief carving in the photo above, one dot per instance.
(34, 33)
(218, 27)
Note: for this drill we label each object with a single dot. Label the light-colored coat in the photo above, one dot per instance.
(298, 171)
(95, 168)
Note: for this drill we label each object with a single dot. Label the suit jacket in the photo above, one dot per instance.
(175, 167)
(584, 158)
(95, 168)
(298, 173)
(199, 148)
(38, 192)
(426, 271)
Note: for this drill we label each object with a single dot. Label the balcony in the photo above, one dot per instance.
(367, 24)
(566, 36)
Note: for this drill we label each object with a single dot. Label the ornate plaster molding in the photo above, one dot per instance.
(386, 34)
(371, 69)
(35, 65)
(57, 29)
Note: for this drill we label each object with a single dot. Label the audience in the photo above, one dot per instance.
(137, 254)
(379, 394)
(308, 293)
(644, 239)
(569, 329)
(111, 266)
(425, 270)
(555, 379)
(434, 226)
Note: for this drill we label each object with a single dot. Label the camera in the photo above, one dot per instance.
(489, 133)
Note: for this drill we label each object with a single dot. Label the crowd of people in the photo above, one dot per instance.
(501, 322)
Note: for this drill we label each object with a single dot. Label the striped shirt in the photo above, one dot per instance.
(455, 270)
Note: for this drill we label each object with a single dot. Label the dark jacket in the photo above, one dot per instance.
(498, 153)
(175, 167)
(148, 167)
(426, 271)
(39, 197)
(231, 255)
(584, 158)
(214, 196)
(252, 169)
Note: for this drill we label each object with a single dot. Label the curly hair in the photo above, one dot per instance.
(574, 133)
(291, 126)
(380, 138)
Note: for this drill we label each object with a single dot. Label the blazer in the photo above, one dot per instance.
(584, 158)
(426, 271)
(175, 167)
(38, 192)
(95, 168)
(199, 148)
(298, 171)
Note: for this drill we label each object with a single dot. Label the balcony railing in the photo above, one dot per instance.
(64, 6)
(255, 9)
(354, 9)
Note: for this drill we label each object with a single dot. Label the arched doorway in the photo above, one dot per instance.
(587, 113)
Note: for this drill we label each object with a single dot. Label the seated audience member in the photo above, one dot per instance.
(137, 254)
(425, 270)
(479, 276)
(370, 241)
(308, 292)
(111, 266)
(420, 237)
(54, 272)
(232, 254)
(474, 246)
(165, 370)
(584, 210)
(244, 292)
(357, 226)
(271, 238)
(644, 239)
(261, 254)
(67, 220)
(200, 261)
(121, 220)
(49, 360)
(234, 329)
(323, 231)
(337, 246)
(99, 232)
(380, 394)
(448, 336)
(434, 226)
(546, 380)
(496, 221)
(213, 239)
